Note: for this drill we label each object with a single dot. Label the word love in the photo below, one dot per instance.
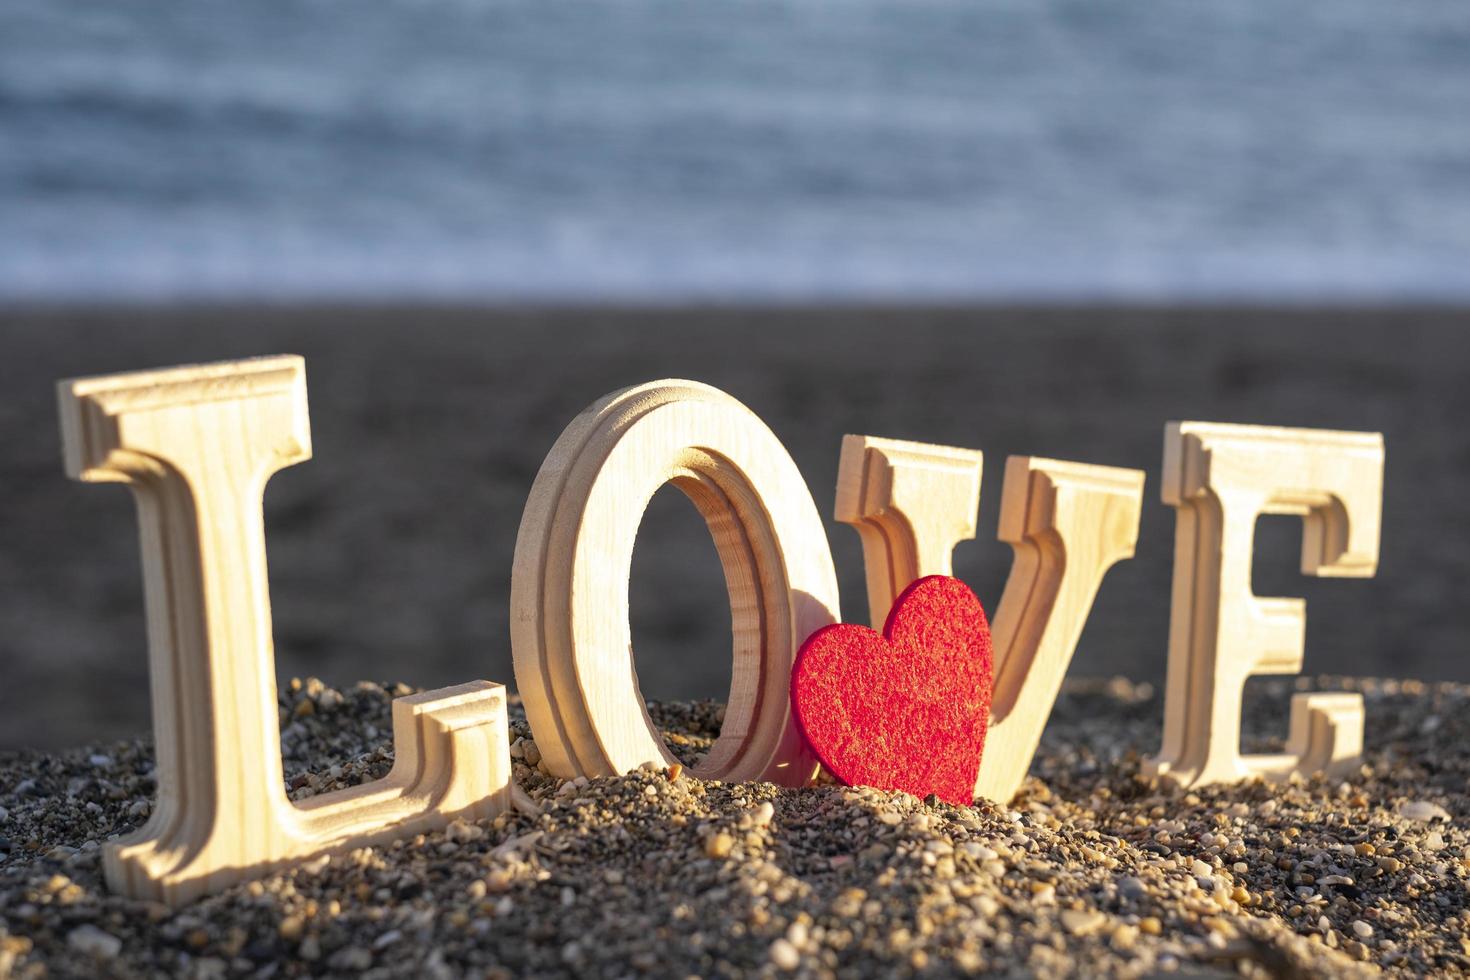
(197, 445)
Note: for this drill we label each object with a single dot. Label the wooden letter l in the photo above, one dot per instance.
(197, 445)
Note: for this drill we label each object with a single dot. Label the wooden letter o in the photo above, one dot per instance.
(569, 589)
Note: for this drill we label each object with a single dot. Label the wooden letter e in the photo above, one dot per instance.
(1221, 479)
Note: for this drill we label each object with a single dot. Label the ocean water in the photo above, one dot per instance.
(676, 150)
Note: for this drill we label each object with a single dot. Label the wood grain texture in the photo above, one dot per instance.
(569, 589)
(1221, 479)
(196, 445)
(1068, 523)
(910, 503)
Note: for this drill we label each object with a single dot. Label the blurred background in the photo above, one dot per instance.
(1040, 228)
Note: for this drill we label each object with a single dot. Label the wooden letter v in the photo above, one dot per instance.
(1068, 524)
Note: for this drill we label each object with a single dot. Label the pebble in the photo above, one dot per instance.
(1124, 936)
(353, 959)
(1092, 870)
(462, 831)
(784, 955)
(91, 941)
(1082, 922)
(292, 927)
(1131, 887)
(1422, 810)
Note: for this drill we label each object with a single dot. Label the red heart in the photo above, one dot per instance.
(908, 709)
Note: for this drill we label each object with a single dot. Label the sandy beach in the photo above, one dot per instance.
(1091, 871)
(391, 550)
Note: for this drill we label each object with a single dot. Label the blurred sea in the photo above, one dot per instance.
(670, 150)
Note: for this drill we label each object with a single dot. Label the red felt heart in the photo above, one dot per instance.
(906, 709)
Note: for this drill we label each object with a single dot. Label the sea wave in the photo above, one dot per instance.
(781, 149)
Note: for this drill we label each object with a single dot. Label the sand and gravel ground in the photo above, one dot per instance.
(1092, 871)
